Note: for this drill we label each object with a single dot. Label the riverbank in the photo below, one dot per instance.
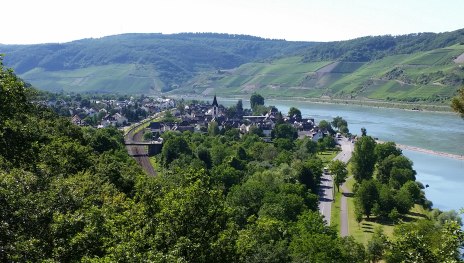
(444, 108)
(427, 151)
(375, 104)
(443, 154)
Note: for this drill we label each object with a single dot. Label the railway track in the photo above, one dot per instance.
(139, 153)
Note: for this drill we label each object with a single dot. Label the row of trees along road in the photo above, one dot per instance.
(386, 188)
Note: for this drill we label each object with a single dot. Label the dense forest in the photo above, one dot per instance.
(72, 194)
(369, 48)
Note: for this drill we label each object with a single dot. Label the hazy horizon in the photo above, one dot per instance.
(52, 21)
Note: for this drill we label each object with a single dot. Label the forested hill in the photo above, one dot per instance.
(168, 59)
(414, 67)
(375, 47)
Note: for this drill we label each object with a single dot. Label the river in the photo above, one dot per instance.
(442, 132)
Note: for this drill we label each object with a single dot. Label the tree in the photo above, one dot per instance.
(204, 155)
(173, 148)
(338, 122)
(383, 150)
(324, 125)
(263, 241)
(256, 130)
(284, 144)
(13, 95)
(285, 131)
(313, 241)
(328, 142)
(256, 99)
(308, 172)
(294, 113)
(404, 201)
(363, 158)
(147, 136)
(397, 167)
(190, 219)
(239, 107)
(363, 131)
(457, 103)
(366, 196)
(181, 107)
(168, 117)
(213, 128)
(377, 245)
(339, 172)
(424, 241)
(259, 110)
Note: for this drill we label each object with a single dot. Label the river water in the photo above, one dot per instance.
(442, 132)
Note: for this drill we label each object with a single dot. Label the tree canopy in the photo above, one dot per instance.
(457, 103)
(363, 158)
(256, 100)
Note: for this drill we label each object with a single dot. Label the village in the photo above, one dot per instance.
(197, 117)
(180, 115)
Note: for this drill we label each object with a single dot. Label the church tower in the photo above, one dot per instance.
(215, 110)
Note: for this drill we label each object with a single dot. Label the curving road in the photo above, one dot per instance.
(139, 153)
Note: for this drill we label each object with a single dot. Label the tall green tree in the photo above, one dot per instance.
(363, 159)
(324, 125)
(239, 106)
(366, 196)
(294, 113)
(256, 99)
(14, 98)
(338, 122)
(339, 172)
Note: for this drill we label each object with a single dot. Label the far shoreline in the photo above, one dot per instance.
(446, 109)
(431, 152)
(427, 151)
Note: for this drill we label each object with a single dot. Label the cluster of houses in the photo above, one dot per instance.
(197, 117)
(112, 112)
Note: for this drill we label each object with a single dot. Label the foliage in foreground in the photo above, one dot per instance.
(69, 194)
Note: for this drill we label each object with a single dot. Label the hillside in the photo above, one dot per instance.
(137, 63)
(431, 76)
(414, 67)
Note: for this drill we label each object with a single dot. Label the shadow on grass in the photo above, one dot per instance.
(380, 220)
(417, 214)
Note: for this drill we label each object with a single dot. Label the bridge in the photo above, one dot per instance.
(154, 147)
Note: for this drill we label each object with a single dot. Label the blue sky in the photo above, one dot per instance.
(33, 21)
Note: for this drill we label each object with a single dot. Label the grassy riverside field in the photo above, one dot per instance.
(363, 231)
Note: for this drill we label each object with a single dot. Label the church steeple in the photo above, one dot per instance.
(215, 109)
(215, 104)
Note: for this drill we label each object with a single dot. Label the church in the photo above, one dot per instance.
(214, 111)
